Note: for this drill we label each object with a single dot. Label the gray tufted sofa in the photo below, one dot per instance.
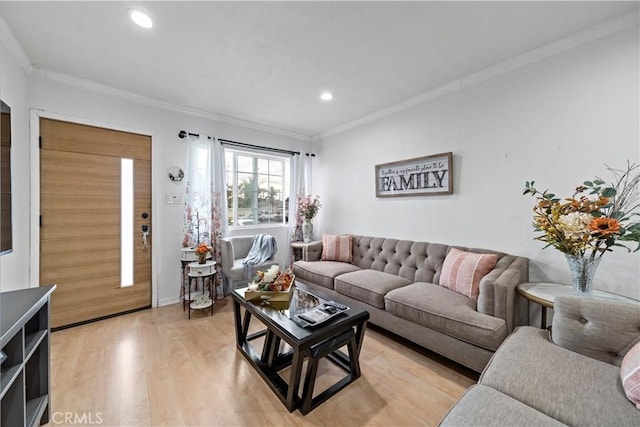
(397, 282)
(569, 378)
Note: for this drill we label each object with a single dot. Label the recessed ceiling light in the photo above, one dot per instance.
(140, 18)
(326, 96)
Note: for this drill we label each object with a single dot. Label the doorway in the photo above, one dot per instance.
(95, 202)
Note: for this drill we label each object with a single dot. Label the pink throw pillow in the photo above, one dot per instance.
(462, 271)
(630, 374)
(336, 248)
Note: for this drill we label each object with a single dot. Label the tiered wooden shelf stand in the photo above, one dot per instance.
(24, 341)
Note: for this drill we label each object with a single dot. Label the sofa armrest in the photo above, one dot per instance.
(498, 289)
(312, 251)
(603, 330)
(226, 249)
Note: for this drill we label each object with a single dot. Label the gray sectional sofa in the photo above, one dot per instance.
(397, 282)
(569, 378)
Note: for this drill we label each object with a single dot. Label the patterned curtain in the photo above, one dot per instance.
(219, 212)
(205, 209)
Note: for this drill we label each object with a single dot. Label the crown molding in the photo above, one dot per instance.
(16, 50)
(596, 32)
(141, 99)
(14, 47)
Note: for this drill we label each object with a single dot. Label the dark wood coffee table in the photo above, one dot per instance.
(311, 343)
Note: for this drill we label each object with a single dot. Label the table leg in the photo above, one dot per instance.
(267, 348)
(211, 284)
(189, 301)
(360, 330)
(294, 380)
(354, 357)
(245, 324)
(309, 383)
(330, 349)
(274, 353)
(543, 317)
(182, 290)
(241, 335)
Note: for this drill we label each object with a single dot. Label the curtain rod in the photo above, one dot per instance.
(258, 147)
(183, 134)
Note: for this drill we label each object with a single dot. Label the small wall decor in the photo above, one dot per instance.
(428, 175)
(176, 174)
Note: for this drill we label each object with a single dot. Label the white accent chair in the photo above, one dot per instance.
(234, 251)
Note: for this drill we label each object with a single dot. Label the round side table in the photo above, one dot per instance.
(546, 293)
(202, 272)
(298, 249)
(187, 256)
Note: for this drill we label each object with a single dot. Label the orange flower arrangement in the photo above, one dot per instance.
(202, 249)
(597, 217)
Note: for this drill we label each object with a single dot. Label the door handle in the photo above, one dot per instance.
(145, 233)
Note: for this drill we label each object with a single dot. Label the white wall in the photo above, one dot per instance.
(84, 106)
(557, 121)
(14, 267)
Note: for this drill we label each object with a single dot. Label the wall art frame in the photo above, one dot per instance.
(420, 176)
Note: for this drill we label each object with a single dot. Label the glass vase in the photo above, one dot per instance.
(307, 231)
(582, 269)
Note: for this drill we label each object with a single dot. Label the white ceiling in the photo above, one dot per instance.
(267, 62)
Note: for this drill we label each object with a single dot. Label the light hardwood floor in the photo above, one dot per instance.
(155, 367)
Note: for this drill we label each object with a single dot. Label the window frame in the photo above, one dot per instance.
(256, 155)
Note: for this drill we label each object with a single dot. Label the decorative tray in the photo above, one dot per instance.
(271, 285)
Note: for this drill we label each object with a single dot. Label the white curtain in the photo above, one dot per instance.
(205, 213)
(296, 190)
(306, 173)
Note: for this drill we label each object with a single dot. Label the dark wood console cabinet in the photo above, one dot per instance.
(24, 345)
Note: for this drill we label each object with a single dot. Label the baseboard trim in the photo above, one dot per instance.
(168, 301)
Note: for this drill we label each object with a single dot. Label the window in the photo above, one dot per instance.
(126, 222)
(257, 188)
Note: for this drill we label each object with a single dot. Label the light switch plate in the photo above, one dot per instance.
(174, 199)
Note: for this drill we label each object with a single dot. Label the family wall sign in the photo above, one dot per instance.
(428, 175)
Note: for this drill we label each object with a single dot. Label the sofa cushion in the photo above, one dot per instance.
(447, 312)
(337, 248)
(415, 261)
(484, 406)
(237, 271)
(321, 272)
(462, 271)
(630, 374)
(368, 286)
(572, 388)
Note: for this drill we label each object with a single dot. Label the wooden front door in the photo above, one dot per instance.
(95, 196)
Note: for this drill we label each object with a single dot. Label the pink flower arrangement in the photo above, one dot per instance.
(307, 207)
